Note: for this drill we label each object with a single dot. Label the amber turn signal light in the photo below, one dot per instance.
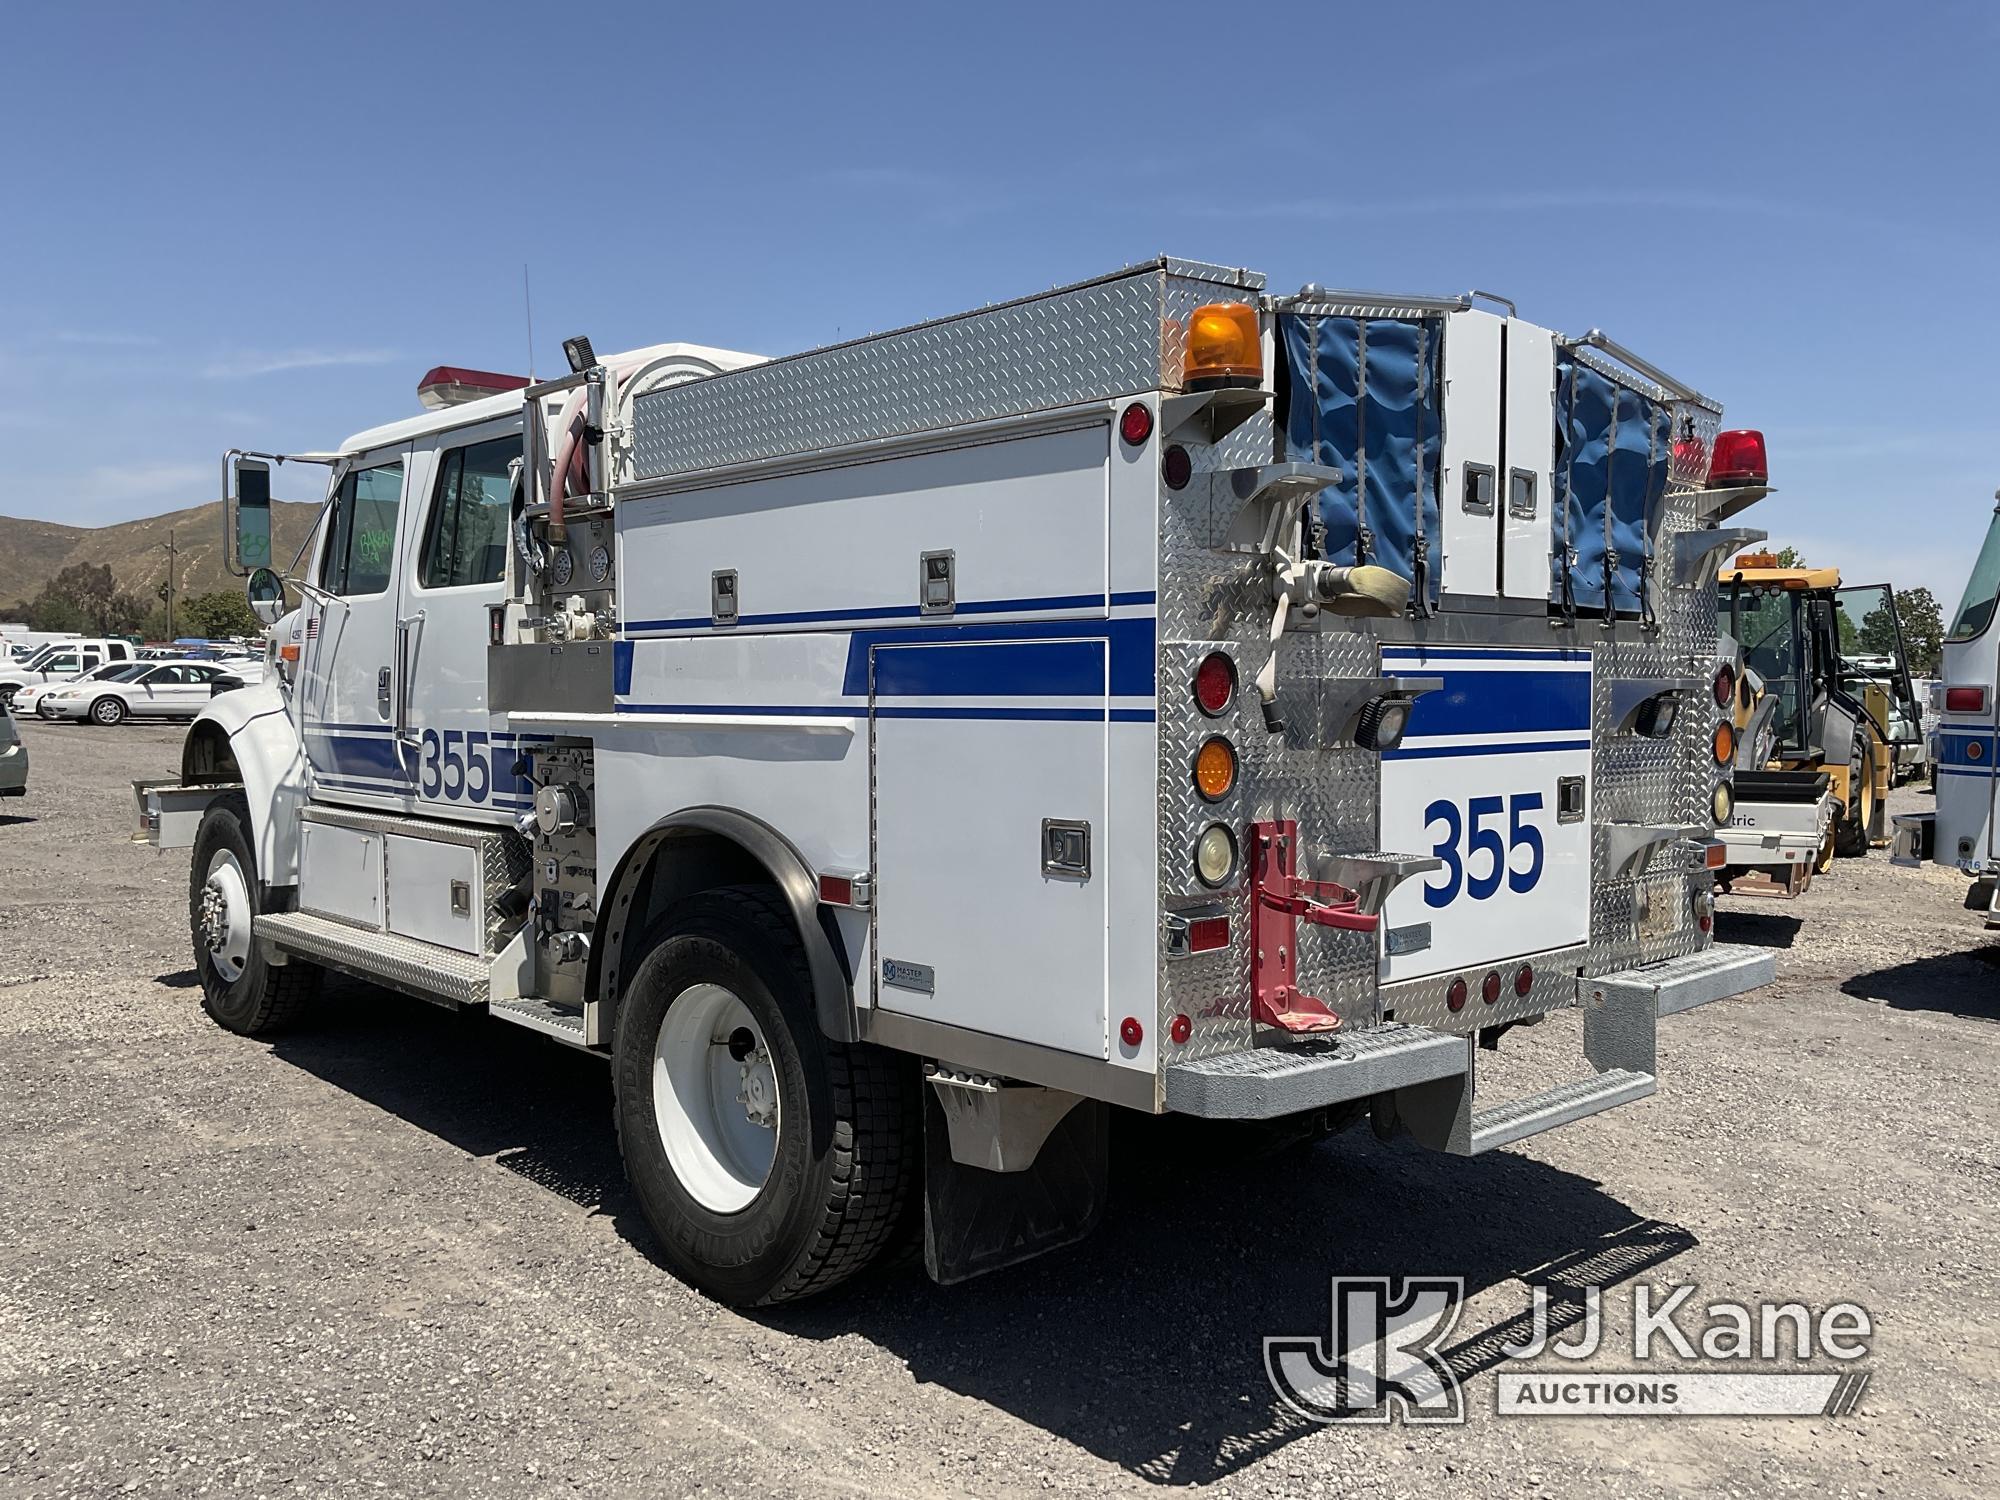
(1724, 743)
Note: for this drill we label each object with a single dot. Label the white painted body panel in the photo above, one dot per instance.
(1471, 443)
(1528, 441)
(417, 877)
(340, 873)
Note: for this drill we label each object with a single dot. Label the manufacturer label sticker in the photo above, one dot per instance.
(919, 977)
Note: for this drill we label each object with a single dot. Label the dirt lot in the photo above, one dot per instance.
(393, 1253)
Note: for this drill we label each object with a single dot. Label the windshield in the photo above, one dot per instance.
(1764, 620)
(1975, 610)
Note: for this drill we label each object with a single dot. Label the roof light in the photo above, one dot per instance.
(1965, 700)
(1739, 460)
(454, 385)
(580, 355)
(1223, 348)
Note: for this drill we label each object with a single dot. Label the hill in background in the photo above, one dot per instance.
(32, 551)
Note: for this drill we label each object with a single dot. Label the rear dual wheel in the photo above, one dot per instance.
(771, 1162)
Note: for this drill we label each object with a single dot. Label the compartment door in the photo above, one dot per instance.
(1470, 487)
(1529, 444)
(990, 838)
(1493, 778)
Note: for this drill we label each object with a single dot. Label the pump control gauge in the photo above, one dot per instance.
(600, 564)
(560, 568)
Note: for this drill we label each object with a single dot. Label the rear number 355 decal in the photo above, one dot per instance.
(1476, 860)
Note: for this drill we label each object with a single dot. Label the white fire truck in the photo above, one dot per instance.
(1153, 694)
(1965, 709)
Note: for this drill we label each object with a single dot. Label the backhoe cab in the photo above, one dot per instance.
(1824, 715)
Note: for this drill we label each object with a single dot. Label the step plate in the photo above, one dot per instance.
(403, 963)
(1518, 1119)
(564, 1024)
(1266, 1082)
(1695, 979)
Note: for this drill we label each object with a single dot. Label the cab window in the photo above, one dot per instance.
(362, 546)
(466, 540)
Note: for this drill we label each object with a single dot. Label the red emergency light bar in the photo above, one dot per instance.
(454, 385)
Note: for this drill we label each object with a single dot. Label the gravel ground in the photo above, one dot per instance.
(393, 1253)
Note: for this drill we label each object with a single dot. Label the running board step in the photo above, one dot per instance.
(417, 968)
(564, 1023)
(1266, 1082)
(1518, 1119)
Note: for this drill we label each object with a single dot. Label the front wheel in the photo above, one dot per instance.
(238, 988)
(108, 711)
(771, 1162)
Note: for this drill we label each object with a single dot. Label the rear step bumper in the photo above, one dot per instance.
(1431, 1074)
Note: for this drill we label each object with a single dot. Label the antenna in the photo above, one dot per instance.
(528, 302)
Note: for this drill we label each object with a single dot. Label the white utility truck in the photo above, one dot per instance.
(1963, 833)
(1151, 694)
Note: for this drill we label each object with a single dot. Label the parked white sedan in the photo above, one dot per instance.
(164, 690)
(28, 701)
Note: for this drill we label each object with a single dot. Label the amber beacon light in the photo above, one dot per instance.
(1223, 350)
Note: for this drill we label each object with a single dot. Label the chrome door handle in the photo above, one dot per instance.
(402, 675)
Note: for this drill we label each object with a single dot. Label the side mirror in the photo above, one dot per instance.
(253, 515)
(266, 593)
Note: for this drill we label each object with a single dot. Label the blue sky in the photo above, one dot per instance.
(260, 224)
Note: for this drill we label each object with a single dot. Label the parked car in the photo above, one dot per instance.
(13, 758)
(28, 700)
(61, 659)
(162, 690)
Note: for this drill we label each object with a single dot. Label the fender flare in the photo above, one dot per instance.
(254, 727)
(833, 986)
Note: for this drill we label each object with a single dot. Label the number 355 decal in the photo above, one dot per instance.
(466, 776)
(1483, 846)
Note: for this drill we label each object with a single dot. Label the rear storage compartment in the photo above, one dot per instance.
(1614, 455)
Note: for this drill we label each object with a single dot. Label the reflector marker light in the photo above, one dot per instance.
(1207, 934)
(1136, 423)
(1454, 998)
(1130, 1032)
(1965, 700)
(1489, 987)
(1524, 979)
(1180, 1030)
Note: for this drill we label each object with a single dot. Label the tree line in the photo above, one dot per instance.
(85, 598)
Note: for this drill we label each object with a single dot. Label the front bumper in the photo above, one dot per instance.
(1430, 1074)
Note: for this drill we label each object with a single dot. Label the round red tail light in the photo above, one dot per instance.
(1135, 424)
(1725, 685)
(1489, 987)
(1130, 1032)
(1215, 683)
(1524, 979)
(1177, 468)
(1181, 1029)
(1454, 998)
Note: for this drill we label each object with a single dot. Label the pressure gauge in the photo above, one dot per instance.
(600, 564)
(560, 568)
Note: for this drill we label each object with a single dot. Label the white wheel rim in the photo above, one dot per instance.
(223, 910)
(717, 1111)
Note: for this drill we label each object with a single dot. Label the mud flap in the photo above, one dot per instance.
(977, 1221)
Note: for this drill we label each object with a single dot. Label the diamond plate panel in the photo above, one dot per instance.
(1207, 598)
(1098, 340)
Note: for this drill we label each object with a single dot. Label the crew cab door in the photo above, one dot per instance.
(462, 757)
(348, 705)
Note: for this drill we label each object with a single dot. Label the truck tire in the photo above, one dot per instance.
(771, 1162)
(1850, 834)
(108, 711)
(239, 990)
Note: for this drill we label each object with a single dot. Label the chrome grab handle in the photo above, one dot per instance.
(404, 626)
